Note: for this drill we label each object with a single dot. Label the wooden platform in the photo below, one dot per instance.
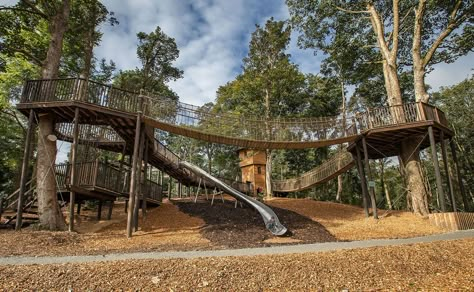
(453, 221)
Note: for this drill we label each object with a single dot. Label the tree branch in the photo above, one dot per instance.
(396, 28)
(379, 32)
(351, 11)
(20, 10)
(29, 56)
(452, 25)
(35, 8)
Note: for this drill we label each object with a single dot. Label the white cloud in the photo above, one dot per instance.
(213, 38)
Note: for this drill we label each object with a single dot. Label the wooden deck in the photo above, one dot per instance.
(101, 181)
(117, 111)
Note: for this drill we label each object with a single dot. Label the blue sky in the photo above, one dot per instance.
(213, 37)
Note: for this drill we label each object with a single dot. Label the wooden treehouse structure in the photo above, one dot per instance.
(125, 122)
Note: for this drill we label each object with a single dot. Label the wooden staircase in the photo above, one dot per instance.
(9, 205)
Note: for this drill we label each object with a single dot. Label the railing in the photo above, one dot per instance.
(103, 175)
(323, 172)
(246, 188)
(89, 133)
(212, 124)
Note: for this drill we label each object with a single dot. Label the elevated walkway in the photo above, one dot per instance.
(108, 117)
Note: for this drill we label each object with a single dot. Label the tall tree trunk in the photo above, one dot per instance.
(414, 178)
(409, 151)
(88, 53)
(49, 213)
(340, 177)
(383, 185)
(268, 166)
(418, 67)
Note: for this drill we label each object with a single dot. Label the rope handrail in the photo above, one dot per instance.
(332, 166)
(229, 128)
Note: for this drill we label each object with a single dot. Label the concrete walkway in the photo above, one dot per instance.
(274, 250)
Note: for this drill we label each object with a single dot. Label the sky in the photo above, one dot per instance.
(213, 37)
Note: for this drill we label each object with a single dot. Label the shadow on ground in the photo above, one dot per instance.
(231, 227)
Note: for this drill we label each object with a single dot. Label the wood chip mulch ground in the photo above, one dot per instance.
(438, 266)
(182, 225)
(230, 227)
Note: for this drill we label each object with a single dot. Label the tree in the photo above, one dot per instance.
(382, 29)
(268, 63)
(458, 103)
(54, 15)
(83, 36)
(43, 47)
(156, 52)
(442, 32)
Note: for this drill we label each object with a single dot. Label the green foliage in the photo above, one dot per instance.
(82, 36)
(458, 103)
(11, 149)
(156, 52)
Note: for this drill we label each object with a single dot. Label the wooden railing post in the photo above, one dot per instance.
(75, 142)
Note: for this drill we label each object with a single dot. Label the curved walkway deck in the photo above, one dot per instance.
(224, 128)
(113, 112)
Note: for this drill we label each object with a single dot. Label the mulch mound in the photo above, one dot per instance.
(231, 227)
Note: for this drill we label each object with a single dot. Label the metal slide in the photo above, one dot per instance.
(269, 217)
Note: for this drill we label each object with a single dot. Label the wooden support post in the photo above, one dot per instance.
(138, 191)
(363, 183)
(75, 142)
(111, 207)
(180, 190)
(465, 200)
(446, 169)
(369, 175)
(79, 208)
(99, 211)
(170, 185)
(133, 182)
(126, 206)
(145, 175)
(1, 207)
(24, 171)
(122, 177)
(439, 183)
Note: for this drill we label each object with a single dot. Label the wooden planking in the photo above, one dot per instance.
(453, 220)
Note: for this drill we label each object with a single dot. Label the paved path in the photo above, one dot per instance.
(287, 249)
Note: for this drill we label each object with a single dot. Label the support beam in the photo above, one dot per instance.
(24, 172)
(145, 175)
(170, 185)
(99, 210)
(439, 184)
(363, 183)
(121, 172)
(72, 197)
(138, 191)
(111, 207)
(79, 208)
(465, 200)
(1, 207)
(133, 182)
(369, 174)
(446, 169)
